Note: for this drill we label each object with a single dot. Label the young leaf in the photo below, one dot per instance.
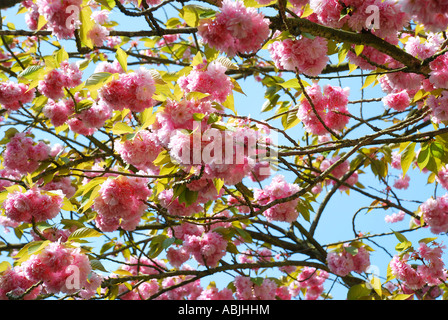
(122, 58)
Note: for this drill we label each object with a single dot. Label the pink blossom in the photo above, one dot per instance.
(395, 217)
(174, 207)
(120, 203)
(402, 182)
(23, 155)
(396, 160)
(278, 189)
(236, 29)
(438, 75)
(54, 266)
(207, 249)
(131, 90)
(310, 279)
(184, 230)
(177, 257)
(328, 106)
(98, 34)
(435, 214)
(211, 80)
(442, 177)
(58, 112)
(214, 293)
(67, 76)
(62, 19)
(438, 106)
(142, 265)
(344, 262)
(33, 204)
(14, 283)
(308, 56)
(432, 13)
(141, 151)
(111, 67)
(246, 289)
(431, 272)
(14, 95)
(398, 101)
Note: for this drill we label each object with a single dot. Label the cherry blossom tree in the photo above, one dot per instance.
(137, 163)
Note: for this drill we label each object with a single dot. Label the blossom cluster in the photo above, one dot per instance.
(304, 55)
(120, 203)
(67, 76)
(356, 15)
(278, 189)
(55, 269)
(33, 205)
(62, 16)
(23, 155)
(435, 214)
(431, 271)
(15, 95)
(131, 90)
(311, 280)
(210, 79)
(235, 29)
(344, 262)
(327, 109)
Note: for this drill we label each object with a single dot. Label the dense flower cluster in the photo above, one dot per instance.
(23, 155)
(141, 151)
(57, 80)
(33, 205)
(56, 265)
(356, 14)
(311, 280)
(120, 203)
(132, 90)
(236, 29)
(344, 262)
(431, 13)
(339, 171)
(246, 289)
(62, 16)
(430, 273)
(328, 105)
(14, 95)
(435, 214)
(395, 217)
(308, 56)
(278, 189)
(229, 155)
(210, 79)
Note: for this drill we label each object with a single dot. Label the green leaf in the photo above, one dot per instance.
(193, 13)
(98, 78)
(369, 80)
(84, 233)
(291, 83)
(399, 236)
(87, 24)
(31, 72)
(4, 265)
(147, 118)
(407, 157)
(358, 291)
(122, 58)
(121, 128)
(197, 60)
(97, 265)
